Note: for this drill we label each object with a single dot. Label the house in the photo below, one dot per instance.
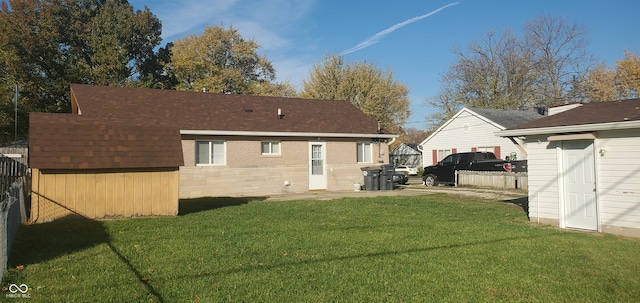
(135, 152)
(473, 129)
(584, 167)
(406, 154)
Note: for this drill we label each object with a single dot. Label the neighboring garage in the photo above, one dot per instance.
(584, 167)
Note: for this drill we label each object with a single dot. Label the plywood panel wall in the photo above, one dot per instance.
(103, 194)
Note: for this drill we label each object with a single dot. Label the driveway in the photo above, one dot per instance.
(413, 188)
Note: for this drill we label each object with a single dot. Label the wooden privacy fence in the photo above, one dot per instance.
(10, 171)
(493, 179)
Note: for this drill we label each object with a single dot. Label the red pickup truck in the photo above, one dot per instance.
(444, 171)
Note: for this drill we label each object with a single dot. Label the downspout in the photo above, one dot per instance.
(538, 206)
(392, 140)
(379, 145)
(388, 144)
(388, 150)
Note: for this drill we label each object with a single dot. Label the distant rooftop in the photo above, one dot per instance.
(507, 118)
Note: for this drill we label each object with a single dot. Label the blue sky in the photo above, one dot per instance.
(412, 39)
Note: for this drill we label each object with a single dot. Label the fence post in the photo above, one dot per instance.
(4, 210)
(23, 204)
(455, 178)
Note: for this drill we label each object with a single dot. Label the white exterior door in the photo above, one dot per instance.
(317, 165)
(580, 209)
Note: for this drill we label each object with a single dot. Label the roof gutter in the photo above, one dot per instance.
(569, 129)
(283, 134)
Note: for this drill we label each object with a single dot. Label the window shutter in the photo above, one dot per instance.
(496, 150)
(474, 149)
(434, 155)
(454, 150)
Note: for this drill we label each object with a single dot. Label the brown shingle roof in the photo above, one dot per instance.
(114, 127)
(221, 112)
(590, 113)
(65, 141)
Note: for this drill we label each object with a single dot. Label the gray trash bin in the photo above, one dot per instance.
(386, 177)
(371, 177)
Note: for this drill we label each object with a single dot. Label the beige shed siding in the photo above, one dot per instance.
(103, 194)
(619, 178)
(248, 173)
(543, 180)
(479, 134)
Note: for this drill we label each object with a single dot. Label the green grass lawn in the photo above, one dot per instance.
(385, 249)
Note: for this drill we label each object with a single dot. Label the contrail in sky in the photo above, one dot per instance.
(376, 38)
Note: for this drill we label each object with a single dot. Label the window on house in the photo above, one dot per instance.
(442, 153)
(485, 149)
(210, 152)
(270, 148)
(363, 152)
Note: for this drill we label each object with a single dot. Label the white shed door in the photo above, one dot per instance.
(317, 165)
(580, 209)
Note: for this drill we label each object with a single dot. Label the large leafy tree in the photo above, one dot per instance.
(156, 71)
(371, 89)
(606, 84)
(559, 56)
(47, 44)
(505, 72)
(628, 75)
(221, 61)
(447, 102)
(410, 135)
(7, 93)
(122, 42)
(283, 89)
(598, 84)
(496, 72)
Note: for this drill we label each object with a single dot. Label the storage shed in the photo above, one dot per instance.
(584, 167)
(102, 167)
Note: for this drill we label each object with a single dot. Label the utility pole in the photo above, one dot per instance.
(15, 117)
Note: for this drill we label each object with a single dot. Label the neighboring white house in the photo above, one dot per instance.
(473, 129)
(406, 154)
(584, 167)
